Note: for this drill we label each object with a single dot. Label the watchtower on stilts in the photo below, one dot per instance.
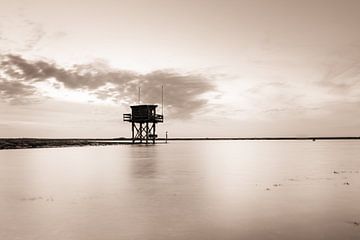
(143, 120)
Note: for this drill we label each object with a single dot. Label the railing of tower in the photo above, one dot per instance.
(159, 118)
(127, 117)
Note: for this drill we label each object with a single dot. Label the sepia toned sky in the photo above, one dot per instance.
(229, 68)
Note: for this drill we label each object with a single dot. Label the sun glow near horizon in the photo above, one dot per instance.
(56, 91)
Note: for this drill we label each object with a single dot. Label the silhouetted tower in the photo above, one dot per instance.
(143, 120)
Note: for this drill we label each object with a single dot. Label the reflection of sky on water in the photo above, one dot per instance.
(182, 190)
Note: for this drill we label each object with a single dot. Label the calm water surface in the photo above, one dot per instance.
(183, 190)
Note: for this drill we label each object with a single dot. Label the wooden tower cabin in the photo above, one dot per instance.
(143, 120)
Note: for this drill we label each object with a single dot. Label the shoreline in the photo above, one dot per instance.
(25, 143)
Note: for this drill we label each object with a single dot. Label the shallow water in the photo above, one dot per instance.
(183, 190)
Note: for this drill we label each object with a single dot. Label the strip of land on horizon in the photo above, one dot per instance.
(23, 143)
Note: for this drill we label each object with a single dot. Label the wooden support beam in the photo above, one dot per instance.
(132, 132)
(147, 132)
(154, 132)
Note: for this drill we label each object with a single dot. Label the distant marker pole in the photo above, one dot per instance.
(162, 100)
(166, 137)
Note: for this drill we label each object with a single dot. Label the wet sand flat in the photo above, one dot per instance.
(183, 190)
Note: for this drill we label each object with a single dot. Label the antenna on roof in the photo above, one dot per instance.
(139, 95)
(162, 100)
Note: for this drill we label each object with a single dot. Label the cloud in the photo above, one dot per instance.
(183, 91)
(343, 78)
(16, 92)
(342, 75)
(20, 34)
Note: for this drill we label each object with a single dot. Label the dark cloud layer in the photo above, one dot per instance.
(182, 91)
(17, 92)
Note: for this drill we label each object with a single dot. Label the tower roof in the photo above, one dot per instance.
(144, 105)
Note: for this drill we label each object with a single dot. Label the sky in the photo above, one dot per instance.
(245, 68)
